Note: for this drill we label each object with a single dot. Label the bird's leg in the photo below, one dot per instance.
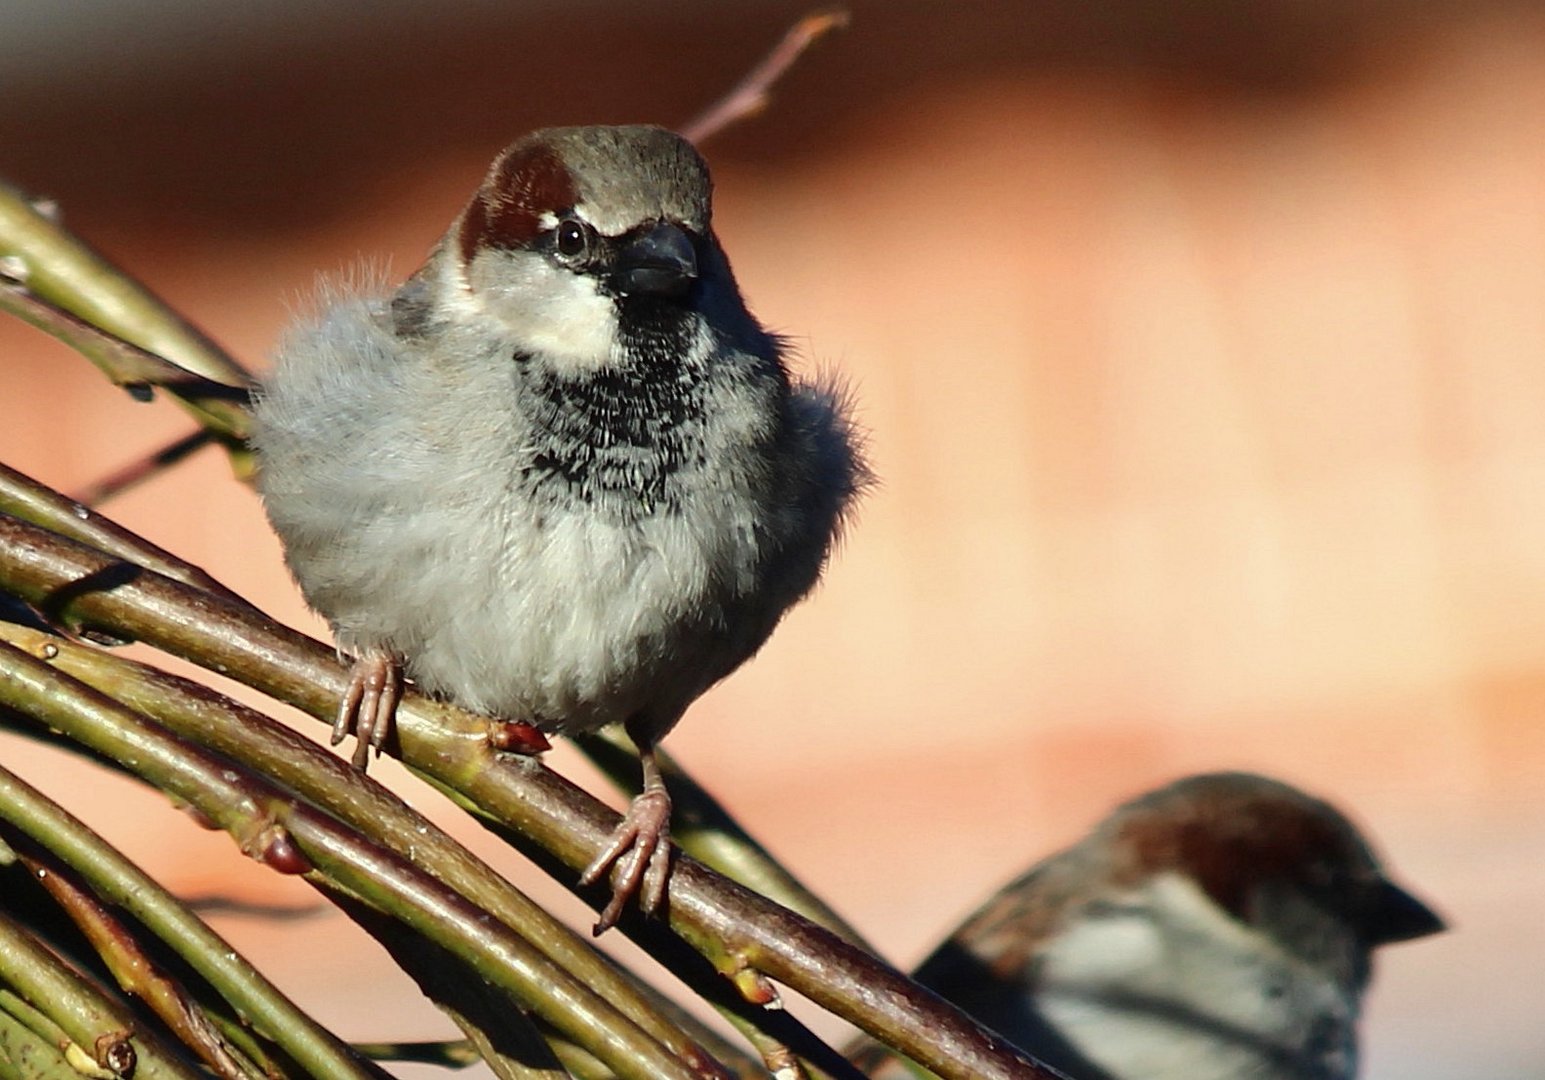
(369, 704)
(640, 846)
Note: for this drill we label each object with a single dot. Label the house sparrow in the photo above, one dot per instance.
(1219, 928)
(562, 475)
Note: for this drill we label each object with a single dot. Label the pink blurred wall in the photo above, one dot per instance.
(1211, 422)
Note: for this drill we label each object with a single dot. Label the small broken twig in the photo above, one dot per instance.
(136, 472)
(749, 96)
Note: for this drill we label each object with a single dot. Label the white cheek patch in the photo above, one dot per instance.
(545, 309)
(1158, 979)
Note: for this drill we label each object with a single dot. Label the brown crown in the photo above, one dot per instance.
(1233, 832)
(527, 180)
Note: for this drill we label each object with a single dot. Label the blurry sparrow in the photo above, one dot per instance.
(562, 475)
(1219, 928)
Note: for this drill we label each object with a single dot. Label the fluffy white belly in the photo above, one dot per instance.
(571, 620)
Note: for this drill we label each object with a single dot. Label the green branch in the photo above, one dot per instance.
(743, 935)
(97, 1035)
(196, 713)
(294, 837)
(59, 268)
(120, 882)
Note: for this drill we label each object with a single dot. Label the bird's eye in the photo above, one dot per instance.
(572, 238)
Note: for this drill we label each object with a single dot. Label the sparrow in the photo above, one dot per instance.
(562, 475)
(1219, 928)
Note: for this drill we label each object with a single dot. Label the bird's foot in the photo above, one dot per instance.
(640, 848)
(369, 705)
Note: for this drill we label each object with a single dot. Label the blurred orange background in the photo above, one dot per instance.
(1203, 351)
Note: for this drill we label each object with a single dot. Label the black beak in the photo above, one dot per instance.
(1398, 916)
(660, 261)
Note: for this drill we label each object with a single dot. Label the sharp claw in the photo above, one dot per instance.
(619, 842)
(609, 916)
(361, 756)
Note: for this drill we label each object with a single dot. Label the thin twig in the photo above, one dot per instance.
(197, 713)
(59, 267)
(119, 881)
(100, 1031)
(746, 938)
(704, 829)
(26, 498)
(741, 933)
(136, 972)
(56, 281)
(747, 98)
(220, 407)
(742, 995)
(294, 837)
(506, 1039)
(750, 95)
(138, 471)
